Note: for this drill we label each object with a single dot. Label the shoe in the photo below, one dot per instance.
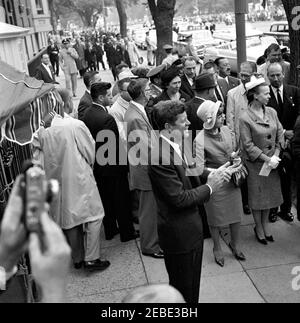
(289, 217)
(134, 236)
(96, 265)
(78, 265)
(273, 215)
(247, 209)
(219, 260)
(157, 255)
(238, 255)
(262, 241)
(270, 238)
(110, 236)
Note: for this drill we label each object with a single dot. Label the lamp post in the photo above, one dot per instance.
(241, 9)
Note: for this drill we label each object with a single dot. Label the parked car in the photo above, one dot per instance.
(256, 46)
(202, 39)
(280, 30)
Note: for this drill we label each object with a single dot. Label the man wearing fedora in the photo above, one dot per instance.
(204, 90)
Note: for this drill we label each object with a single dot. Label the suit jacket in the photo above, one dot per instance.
(97, 119)
(138, 121)
(191, 110)
(178, 198)
(165, 97)
(224, 88)
(296, 141)
(186, 87)
(116, 56)
(260, 136)
(43, 75)
(233, 82)
(291, 106)
(84, 103)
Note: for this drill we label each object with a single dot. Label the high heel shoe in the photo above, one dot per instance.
(219, 260)
(270, 238)
(262, 241)
(238, 255)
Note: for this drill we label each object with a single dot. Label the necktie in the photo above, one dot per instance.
(279, 99)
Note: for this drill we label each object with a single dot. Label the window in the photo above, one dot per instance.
(281, 28)
(39, 7)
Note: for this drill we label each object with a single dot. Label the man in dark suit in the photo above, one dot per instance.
(115, 58)
(86, 102)
(179, 222)
(45, 71)
(187, 80)
(285, 99)
(296, 154)
(224, 71)
(204, 90)
(111, 177)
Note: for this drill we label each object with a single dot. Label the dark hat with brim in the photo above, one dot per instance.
(169, 75)
(204, 81)
(156, 70)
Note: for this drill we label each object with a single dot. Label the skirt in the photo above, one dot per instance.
(264, 192)
(225, 206)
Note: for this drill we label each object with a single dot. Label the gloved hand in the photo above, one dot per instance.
(274, 162)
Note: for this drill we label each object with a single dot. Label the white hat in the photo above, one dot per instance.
(254, 82)
(126, 74)
(207, 112)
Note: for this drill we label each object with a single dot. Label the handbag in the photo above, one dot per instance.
(239, 177)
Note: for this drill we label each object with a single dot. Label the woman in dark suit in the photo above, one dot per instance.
(262, 138)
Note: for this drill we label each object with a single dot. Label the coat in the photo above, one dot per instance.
(291, 106)
(97, 120)
(138, 121)
(68, 153)
(186, 87)
(42, 74)
(191, 110)
(84, 103)
(68, 59)
(178, 200)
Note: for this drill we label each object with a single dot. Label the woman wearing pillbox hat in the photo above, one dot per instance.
(261, 140)
(214, 147)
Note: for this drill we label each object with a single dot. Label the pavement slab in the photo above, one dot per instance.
(126, 271)
(276, 283)
(285, 249)
(231, 288)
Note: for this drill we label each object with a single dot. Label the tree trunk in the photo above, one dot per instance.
(163, 14)
(122, 17)
(53, 16)
(292, 9)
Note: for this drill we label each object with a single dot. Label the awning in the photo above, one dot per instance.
(24, 103)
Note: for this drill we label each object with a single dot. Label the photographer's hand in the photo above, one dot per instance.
(13, 235)
(50, 268)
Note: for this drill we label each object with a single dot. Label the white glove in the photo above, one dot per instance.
(274, 162)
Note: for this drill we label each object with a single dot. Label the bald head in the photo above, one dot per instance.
(275, 75)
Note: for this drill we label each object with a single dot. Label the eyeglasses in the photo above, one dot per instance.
(220, 114)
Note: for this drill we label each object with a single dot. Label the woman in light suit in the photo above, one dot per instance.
(261, 139)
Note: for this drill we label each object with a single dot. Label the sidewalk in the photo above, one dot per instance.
(265, 277)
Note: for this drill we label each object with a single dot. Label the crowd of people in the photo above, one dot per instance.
(183, 149)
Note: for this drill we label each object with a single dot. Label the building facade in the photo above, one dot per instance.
(33, 15)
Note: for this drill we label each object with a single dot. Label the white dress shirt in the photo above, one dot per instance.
(48, 70)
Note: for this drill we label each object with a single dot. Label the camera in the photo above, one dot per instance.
(36, 191)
